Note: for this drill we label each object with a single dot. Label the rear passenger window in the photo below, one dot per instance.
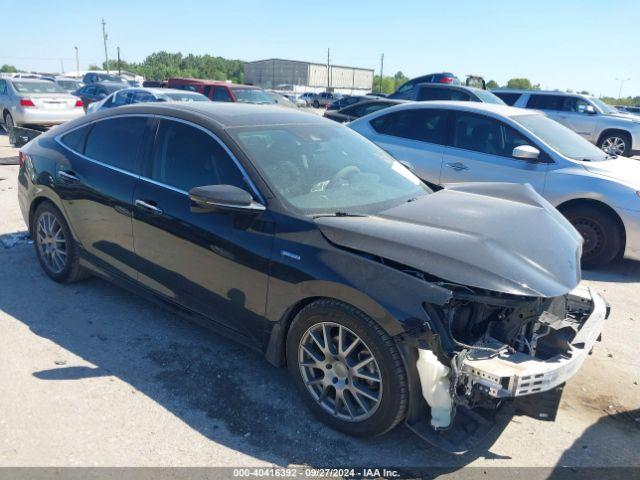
(425, 125)
(186, 157)
(75, 139)
(546, 102)
(116, 141)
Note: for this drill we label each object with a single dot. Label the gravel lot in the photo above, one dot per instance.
(92, 375)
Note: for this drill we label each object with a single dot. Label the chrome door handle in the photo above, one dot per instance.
(457, 166)
(148, 207)
(68, 176)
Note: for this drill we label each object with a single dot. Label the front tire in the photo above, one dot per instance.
(347, 369)
(56, 249)
(316, 104)
(616, 143)
(603, 238)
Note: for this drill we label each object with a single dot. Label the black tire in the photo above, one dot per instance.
(613, 137)
(72, 271)
(602, 234)
(394, 395)
(316, 104)
(8, 121)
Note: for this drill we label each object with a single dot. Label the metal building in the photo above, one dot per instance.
(295, 75)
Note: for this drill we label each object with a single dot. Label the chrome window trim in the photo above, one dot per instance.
(245, 175)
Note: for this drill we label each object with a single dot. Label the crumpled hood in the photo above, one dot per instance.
(622, 168)
(497, 236)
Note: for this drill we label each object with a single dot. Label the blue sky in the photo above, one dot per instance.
(560, 44)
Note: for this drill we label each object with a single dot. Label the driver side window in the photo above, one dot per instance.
(186, 157)
(486, 135)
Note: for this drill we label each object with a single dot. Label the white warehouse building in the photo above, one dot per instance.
(276, 73)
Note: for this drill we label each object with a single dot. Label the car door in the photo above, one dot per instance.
(216, 263)
(577, 115)
(96, 181)
(415, 137)
(481, 151)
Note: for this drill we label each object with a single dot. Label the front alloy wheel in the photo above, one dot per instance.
(340, 372)
(614, 145)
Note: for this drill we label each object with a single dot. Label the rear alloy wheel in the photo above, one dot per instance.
(8, 121)
(55, 247)
(616, 144)
(600, 232)
(347, 369)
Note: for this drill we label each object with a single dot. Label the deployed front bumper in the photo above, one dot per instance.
(514, 374)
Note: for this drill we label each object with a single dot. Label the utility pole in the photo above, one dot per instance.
(328, 69)
(61, 67)
(104, 38)
(381, 71)
(77, 63)
(621, 80)
(119, 69)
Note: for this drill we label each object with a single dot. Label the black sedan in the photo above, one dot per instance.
(95, 92)
(303, 240)
(360, 109)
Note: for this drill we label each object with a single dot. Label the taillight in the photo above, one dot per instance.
(78, 103)
(446, 80)
(21, 157)
(27, 102)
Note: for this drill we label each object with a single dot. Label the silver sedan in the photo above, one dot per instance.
(36, 102)
(454, 142)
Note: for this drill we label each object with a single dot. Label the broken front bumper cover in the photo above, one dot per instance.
(514, 374)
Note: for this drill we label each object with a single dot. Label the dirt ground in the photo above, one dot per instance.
(91, 375)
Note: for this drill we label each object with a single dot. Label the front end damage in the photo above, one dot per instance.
(481, 349)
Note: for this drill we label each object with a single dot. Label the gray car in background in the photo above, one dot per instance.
(129, 96)
(36, 102)
(613, 131)
(459, 142)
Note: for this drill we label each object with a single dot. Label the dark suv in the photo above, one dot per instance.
(405, 89)
(434, 91)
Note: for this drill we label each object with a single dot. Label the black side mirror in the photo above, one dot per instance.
(212, 198)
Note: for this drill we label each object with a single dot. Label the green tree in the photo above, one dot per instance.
(491, 84)
(8, 69)
(522, 84)
(388, 84)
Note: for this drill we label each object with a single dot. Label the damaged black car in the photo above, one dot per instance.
(295, 236)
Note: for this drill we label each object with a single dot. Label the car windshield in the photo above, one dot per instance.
(560, 138)
(184, 97)
(488, 97)
(608, 109)
(37, 87)
(68, 84)
(251, 95)
(325, 169)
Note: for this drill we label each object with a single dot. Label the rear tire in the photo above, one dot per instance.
(316, 104)
(332, 376)
(603, 238)
(616, 143)
(56, 249)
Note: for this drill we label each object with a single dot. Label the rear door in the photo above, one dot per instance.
(481, 151)
(415, 137)
(96, 181)
(213, 263)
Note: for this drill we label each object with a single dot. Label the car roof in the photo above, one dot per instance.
(490, 108)
(448, 85)
(28, 80)
(229, 114)
(539, 92)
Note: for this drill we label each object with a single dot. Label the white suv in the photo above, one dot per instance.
(615, 132)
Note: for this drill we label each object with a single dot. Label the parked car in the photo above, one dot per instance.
(67, 83)
(297, 99)
(633, 110)
(360, 109)
(405, 89)
(128, 96)
(453, 142)
(97, 77)
(309, 97)
(601, 124)
(436, 91)
(222, 91)
(305, 241)
(280, 100)
(348, 100)
(325, 98)
(95, 92)
(35, 102)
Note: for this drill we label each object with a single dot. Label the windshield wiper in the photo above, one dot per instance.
(340, 214)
